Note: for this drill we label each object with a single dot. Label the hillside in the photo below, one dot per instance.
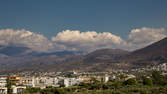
(152, 54)
(157, 50)
(104, 54)
(98, 60)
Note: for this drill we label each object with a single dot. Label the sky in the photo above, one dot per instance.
(82, 24)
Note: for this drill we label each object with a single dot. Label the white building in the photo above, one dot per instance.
(52, 81)
(18, 89)
(43, 82)
(27, 81)
(163, 67)
(3, 81)
(71, 81)
(130, 76)
(40, 82)
(3, 90)
(105, 79)
(113, 77)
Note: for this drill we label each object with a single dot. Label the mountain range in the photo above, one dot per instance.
(16, 59)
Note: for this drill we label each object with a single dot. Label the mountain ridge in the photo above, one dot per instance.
(98, 60)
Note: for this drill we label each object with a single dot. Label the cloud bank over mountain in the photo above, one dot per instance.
(81, 41)
(88, 41)
(139, 38)
(37, 42)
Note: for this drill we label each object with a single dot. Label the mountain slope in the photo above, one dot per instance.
(99, 60)
(13, 51)
(156, 51)
(110, 59)
(102, 55)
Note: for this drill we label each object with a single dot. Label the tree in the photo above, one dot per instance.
(130, 81)
(158, 79)
(117, 84)
(147, 81)
(9, 84)
(85, 85)
(94, 81)
(122, 77)
(32, 90)
(59, 91)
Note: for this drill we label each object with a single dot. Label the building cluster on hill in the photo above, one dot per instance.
(20, 81)
(48, 79)
(157, 67)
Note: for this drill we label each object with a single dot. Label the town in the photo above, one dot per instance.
(20, 81)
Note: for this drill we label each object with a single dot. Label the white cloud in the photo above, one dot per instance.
(24, 38)
(87, 41)
(139, 38)
(81, 41)
(91, 40)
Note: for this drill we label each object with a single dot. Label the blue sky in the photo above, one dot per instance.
(52, 16)
(117, 24)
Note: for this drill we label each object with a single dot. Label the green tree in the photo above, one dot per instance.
(9, 85)
(94, 80)
(158, 79)
(117, 84)
(85, 85)
(122, 77)
(32, 90)
(59, 91)
(130, 81)
(147, 81)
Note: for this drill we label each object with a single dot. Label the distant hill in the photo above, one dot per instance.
(111, 59)
(24, 52)
(57, 53)
(98, 60)
(14, 58)
(12, 50)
